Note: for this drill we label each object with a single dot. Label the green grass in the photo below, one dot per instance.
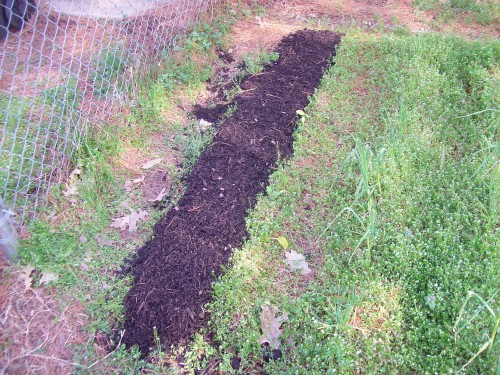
(254, 62)
(472, 11)
(28, 150)
(392, 196)
(108, 69)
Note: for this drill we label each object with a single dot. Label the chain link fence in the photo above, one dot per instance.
(65, 64)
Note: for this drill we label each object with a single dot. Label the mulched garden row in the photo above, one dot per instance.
(174, 271)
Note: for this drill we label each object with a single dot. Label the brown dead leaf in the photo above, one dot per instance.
(120, 222)
(71, 190)
(129, 221)
(75, 173)
(152, 163)
(25, 276)
(298, 262)
(134, 217)
(160, 196)
(73, 181)
(101, 241)
(47, 277)
(129, 184)
(270, 324)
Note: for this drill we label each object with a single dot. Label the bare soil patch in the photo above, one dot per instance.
(36, 332)
(174, 271)
(283, 17)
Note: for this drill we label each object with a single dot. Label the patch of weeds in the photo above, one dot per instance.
(198, 354)
(255, 62)
(73, 240)
(193, 142)
(482, 12)
(258, 9)
(26, 164)
(485, 12)
(425, 4)
(230, 110)
(312, 22)
(60, 245)
(393, 198)
(108, 69)
(233, 90)
(14, 129)
(202, 38)
(62, 100)
(184, 71)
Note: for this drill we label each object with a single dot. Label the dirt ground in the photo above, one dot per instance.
(36, 331)
(53, 44)
(284, 17)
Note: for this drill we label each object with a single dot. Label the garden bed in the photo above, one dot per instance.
(174, 271)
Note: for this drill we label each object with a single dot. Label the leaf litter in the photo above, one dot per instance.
(129, 184)
(47, 277)
(270, 324)
(102, 241)
(160, 196)
(73, 182)
(297, 262)
(129, 221)
(26, 276)
(151, 163)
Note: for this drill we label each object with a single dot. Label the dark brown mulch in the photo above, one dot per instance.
(175, 269)
(212, 115)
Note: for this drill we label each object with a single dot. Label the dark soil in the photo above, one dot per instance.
(175, 269)
(210, 114)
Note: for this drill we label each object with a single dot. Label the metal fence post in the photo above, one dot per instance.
(8, 237)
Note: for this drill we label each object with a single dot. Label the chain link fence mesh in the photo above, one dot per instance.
(65, 64)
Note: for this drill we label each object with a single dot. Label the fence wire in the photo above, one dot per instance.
(65, 64)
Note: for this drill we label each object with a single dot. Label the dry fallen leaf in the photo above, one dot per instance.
(47, 277)
(160, 196)
(270, 324)
(129, 184)
(25, 276)
(152, 163)
(75, 173)
(134, 217)
(71, 190)
(120, 222)
(101, 241)
(73, 181)
(297, 261)
(129, 221)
